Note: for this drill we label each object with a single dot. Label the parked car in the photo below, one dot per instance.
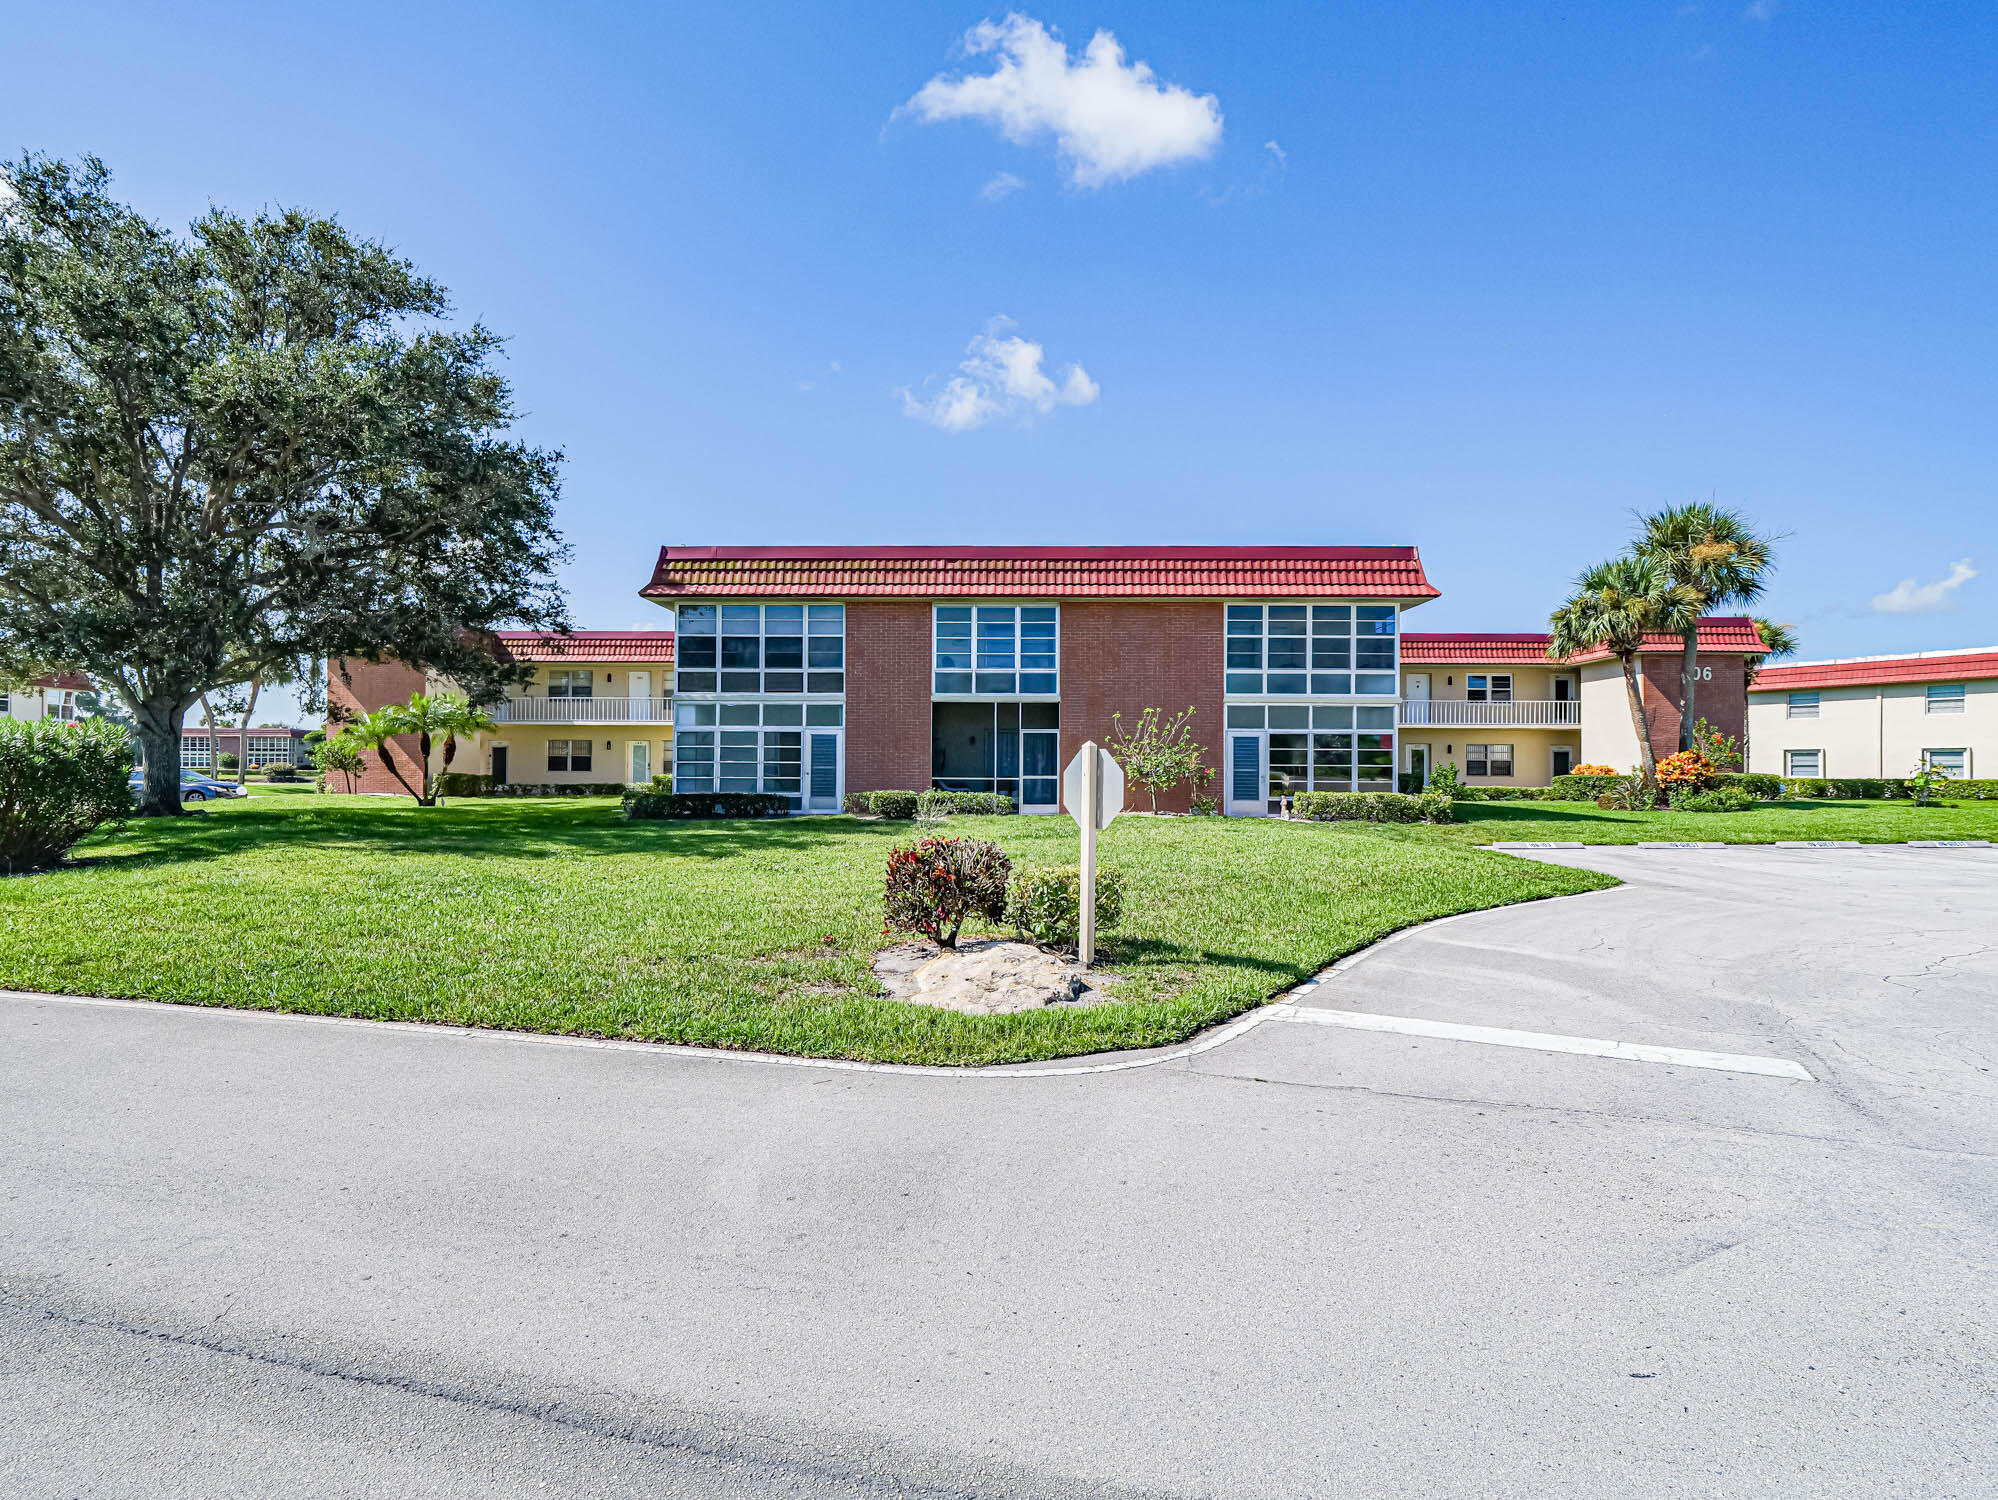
(195, 787)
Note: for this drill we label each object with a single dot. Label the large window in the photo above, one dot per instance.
(194, 753)
(1493, 688)
(1488, 760)
(569, 755)
(271, 749)
(1323, 749)
(1809, 763)
(761, 648)
(572, 684)
(1945, 698)
(998, 650)
(746, 747)
(1323, 650)
(1802, 706)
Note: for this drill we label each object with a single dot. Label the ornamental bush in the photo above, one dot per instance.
(1756, 783)
(281, 771)
(1046, 904)
(1592, 769)
(936, 803)
(1722, 799)
(58, 783)
(856, 803)
(1687, 770)
(1586, 785)
(896, 805)
(1628, 793)
(646, 805)
(1372, 807)
(936, 884)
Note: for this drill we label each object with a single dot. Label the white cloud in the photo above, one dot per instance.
(1002, 185)
(1110, 120)
(1001, 375)
(1911, 598)
(1282, 158)
(1762, 10)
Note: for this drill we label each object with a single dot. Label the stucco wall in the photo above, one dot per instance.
(1874, 730)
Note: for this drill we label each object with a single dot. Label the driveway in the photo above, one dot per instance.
(247, 1255)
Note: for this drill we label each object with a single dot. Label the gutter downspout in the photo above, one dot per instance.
(1880, 736)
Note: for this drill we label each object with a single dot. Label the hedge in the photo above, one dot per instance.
(937, 803)
(58, 783)
(897, 805)
(1371, 807)
(1889, 788)
(649, 804)
(474, 784)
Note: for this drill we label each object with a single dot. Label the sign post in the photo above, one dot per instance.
(1092, 786)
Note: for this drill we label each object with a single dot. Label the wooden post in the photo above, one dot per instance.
(1090, 811)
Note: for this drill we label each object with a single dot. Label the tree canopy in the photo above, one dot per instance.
(227, 453)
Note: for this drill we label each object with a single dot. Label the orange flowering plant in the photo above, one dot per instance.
(1687, 771)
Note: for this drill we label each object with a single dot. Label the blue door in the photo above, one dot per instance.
(823, 787)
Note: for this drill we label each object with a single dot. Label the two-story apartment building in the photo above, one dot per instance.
(44, 698)
(598, 709)
(1877, 716)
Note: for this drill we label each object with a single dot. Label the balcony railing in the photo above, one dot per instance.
(584, 711)
(1521, 713)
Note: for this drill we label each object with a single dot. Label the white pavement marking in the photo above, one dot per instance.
(1541, 1041)
(1544, 844)
(1664, 844)
(1949, 843)
(1817, 843)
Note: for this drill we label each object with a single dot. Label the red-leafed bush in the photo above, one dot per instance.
(1687, 771)
(936, 884)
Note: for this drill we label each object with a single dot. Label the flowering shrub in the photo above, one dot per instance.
(1726, 799)
(1593, 770)
(1047, 904)
(1688, 770)
(937, 883)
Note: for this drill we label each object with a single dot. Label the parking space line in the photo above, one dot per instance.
(1542, 1041)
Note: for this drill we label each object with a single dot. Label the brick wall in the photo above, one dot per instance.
(368, 686)
(1127, 657)
(887, 695)
(1722, 702)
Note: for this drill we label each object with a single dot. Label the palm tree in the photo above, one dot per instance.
(1712, 553)
(425, 717)
(1781, 641)
(1614, 606)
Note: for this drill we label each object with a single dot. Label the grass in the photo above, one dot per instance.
(1811, 818)
(556, 916)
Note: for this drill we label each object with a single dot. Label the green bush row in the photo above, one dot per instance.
(931, 804)
(650, 804)
(1372, 807)
(1889, 788)
(476, 784)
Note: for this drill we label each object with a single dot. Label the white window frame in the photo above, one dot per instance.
(1494, 684)
(1320, 720)
(1943, 698)
(763, 632)
(1928, 759)
(1391, 675)
(700, 724)
(1790, 764)
(974, 605)
(1511, 760)
(569, 766)
(1802, 705)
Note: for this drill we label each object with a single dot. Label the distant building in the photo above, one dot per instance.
(46, 697)
(270, 745)
(1877, 716)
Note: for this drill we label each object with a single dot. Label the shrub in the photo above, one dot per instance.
(464, 784)
(1926, 783)
(1586, 785)
(896, 805)
(934, 885)
(1444, 780)
(1158, 753)
(282, 771)
(58, 783)
(1628, 793)
(1046, 904)
(1687, 770)
(663, 782)
(1203, 806)
(648, 804)
(1592, 769)
(226, 761)
(1724, 750)
(937, 803)
(857, 803)
(1372, 807)
(561, 789)
(1722, 799)
(1758, 784)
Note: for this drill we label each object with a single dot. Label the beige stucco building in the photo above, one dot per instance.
(1877, 716)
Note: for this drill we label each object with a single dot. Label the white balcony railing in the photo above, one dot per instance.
(1521, 713)
(584, 711)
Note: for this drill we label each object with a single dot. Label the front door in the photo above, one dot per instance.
(1415, 690)
(1245, 774)
(1564, 760)
(1418, 765)
(641, 762)
(1040, 761)
(822, 785)
(499, 765)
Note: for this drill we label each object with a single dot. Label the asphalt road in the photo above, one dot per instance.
(245, 1255)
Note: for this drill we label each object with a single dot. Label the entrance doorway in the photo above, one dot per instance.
(1418, 765)
(1011, 748)
(1245, 775)
(822, 788)
(641, 762)
(499, 765)
(1564, 760)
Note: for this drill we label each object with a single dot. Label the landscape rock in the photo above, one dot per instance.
(988, 977)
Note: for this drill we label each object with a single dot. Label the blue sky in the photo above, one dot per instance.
(1506, 275)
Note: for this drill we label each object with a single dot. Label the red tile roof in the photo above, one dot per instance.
(588, 645)
(74, 682)
(1719, 635)
(1860, 671)
(1039, 573)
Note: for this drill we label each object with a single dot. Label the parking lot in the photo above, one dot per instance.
(244, 1254)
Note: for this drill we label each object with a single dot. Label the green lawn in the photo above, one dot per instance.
(1869, 822)
(556, 916)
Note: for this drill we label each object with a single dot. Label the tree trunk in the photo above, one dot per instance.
(1646, 759)
(429, 796)
(158, 721)
(1689, 674)
(243, 734)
